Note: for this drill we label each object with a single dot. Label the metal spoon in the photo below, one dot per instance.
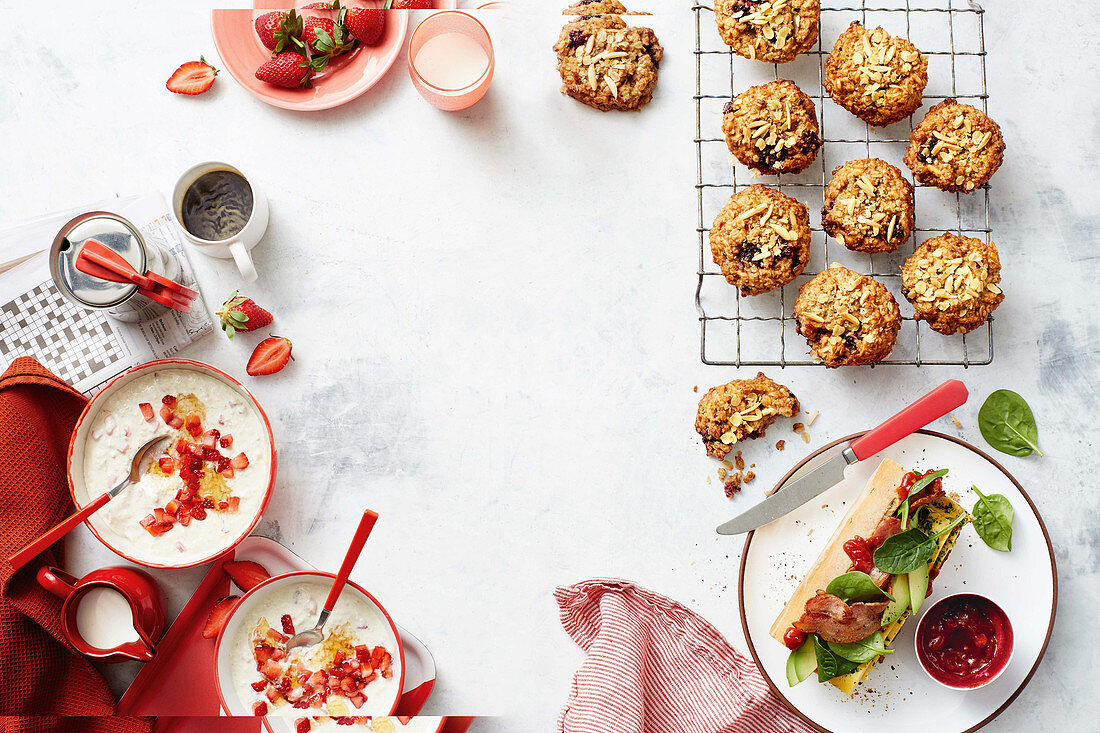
(314, 635)
(138, 466)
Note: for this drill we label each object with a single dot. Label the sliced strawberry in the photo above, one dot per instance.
(147, 411)
(226, 441)
(245, 573)
(228, 473)
(366, 24)
(218, 614)
(270, 356)
(287, 623)
(259, 708)
(239, 462)
(194, 77)
(193, 423)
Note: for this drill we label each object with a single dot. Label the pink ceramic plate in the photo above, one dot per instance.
(345, 79)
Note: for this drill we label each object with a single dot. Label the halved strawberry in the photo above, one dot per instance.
(270, 356)
(216, 620)
(147, 411)
(245, 573)
(239, 462)
(194, 77)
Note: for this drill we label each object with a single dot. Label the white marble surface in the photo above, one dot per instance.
(495, 336)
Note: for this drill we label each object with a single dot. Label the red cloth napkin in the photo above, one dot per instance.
(654, 666)
(40, 673)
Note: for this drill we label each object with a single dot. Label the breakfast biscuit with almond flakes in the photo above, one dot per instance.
(952, 282)
(772, 128)
(761, 240)
(955, 148)
(877, 77)
(848, 319)
(774, 31)
(741, 409)
(608, 64)
(868, 206)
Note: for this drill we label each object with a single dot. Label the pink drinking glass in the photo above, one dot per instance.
(451, 21)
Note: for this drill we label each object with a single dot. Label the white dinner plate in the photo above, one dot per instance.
(897, 695)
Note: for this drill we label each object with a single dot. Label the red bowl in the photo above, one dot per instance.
(223, 663)
(82, 496)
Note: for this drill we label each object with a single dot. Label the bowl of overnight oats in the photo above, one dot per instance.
(351, 677)
(203, 492)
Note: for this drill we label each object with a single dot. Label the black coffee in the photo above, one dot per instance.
(217, 205)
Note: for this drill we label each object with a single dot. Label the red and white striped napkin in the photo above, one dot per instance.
(654, 666)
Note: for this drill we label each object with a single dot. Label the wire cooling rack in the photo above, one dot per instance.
(760, 330)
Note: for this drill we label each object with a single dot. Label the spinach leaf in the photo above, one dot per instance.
(917, 487)
(993, 520)
(830, 665)
(907, 551)
(1007, 424)
(856, 587)
(862, 651)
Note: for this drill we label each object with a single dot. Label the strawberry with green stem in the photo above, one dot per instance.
(194, 77)
(280, 30)
(239, 313)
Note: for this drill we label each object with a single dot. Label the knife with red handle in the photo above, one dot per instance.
(796, 491)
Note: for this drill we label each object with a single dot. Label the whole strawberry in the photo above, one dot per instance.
(325, 37)
(280, 30)
(366, 24)
(239, 313)
(287, 69)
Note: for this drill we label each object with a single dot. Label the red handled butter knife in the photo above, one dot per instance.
(796, 491)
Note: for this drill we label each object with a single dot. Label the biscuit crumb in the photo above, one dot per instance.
(739, 461)
(728, 465)
(708, 478)
(810, 417)
(780, 445)
(749, 476)
(805, 437)
(722, 473)
(798, 427)
(733, 485)
(956, 423)
(695, 388)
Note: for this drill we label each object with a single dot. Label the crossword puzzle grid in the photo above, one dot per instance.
(72, 342)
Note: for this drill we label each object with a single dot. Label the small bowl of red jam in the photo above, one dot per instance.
(964, 641)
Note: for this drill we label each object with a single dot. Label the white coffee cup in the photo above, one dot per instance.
(237, 246)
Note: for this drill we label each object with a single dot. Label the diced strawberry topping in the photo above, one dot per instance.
(185, 516)
(176, 422)
(240, 461)
(338, 658)
(259, 685)
(278, 655)
(168, 400)
(166, 414)
(167, 464)
(272, 669)
(357, 700)
(198, 513)
(193, 423)
(302, 725)
(147, 411)
(226, 441)
(173, 507)
(276, 636)
(210, 438)
(288, 624)
(234, 503)
(259, 708)
(223, 505)
(228, 473)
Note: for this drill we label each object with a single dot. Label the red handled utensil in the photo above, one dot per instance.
(797, 491)
(314, 635)
(138, 466)
(99, 260)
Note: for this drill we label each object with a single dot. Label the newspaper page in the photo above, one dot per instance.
(86, 347)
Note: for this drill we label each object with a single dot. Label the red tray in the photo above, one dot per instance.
(185, 660)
